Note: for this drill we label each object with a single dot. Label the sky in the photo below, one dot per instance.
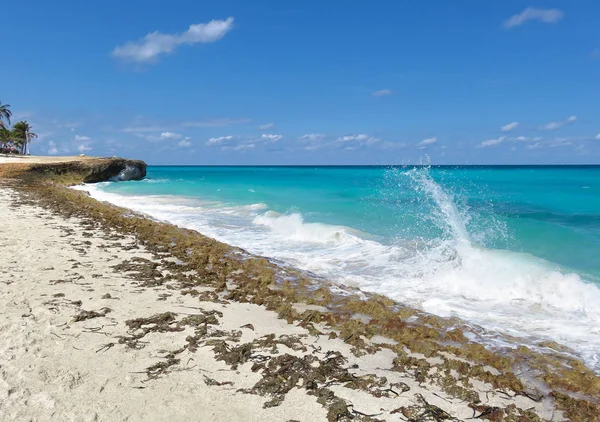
(307, 82)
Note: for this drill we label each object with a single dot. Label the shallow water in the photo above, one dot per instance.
(513, 249)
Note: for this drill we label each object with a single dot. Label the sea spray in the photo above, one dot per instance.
(437, 240)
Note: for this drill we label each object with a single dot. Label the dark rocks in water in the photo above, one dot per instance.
(94, 170)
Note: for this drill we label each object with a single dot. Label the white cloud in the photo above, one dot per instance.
(531, 13)
(266, 126)
(560, 143)
(270, 137)
(553, 125)
(425, 142)
(164, 136)
(239, 143)
(598, 136)
(79, 138)
(84, 148)
(350, 138)
(534, 146)
(170, 135)
(355, 141)
(243, 147)
(219, 140)
(491, 142)
(382, 93)
(501, 139)
(509, 127)
(239, 147)
(185, 142)
(153, 45)
(351, 142)
(52, 150)
(312, 137)
(558, 125)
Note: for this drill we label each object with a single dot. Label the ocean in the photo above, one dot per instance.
(515, 250)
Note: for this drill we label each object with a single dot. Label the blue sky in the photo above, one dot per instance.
(310, 82)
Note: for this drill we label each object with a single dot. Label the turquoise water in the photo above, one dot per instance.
(513, 249)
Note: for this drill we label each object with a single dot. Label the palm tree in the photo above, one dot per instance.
(5, 137)
(23, 135)
(5, 114)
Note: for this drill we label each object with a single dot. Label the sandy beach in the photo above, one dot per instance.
(98, 326)
(40, 159)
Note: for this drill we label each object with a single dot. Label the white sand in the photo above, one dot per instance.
(38, 159)
(52, 368)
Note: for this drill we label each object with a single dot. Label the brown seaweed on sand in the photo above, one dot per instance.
(235, 275)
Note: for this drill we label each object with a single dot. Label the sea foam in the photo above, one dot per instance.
(500, 290)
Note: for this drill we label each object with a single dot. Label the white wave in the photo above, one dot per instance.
(511, 292)
(147, 180)
(293, 227)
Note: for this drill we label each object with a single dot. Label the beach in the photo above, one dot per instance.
(40, 159)
(109, 315)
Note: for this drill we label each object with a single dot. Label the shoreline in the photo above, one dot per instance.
(530, 326)
(431, 351)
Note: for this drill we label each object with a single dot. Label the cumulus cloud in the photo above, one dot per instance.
(270, 137)
(185, 142)
(509, 127)
(241, 143)
(312, 137)
(79, 138)
(426, 142)
(266, 126)
(170, 135)
(501, 139)
(537, 145)
(149, 48)
(558, 125)
(353, 142)
(219, 140)
(52, 149)
(382, 93)
(349, 138)
(491, 142)
(560, 143)
(84, 148)
(531, 13)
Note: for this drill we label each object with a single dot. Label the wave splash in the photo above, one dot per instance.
(128, 173)
(450, 274)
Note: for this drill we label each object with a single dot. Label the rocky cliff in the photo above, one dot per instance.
(88, 170)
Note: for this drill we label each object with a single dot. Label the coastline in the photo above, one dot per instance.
(430, 355)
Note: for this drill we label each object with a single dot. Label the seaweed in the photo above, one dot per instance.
(84, 315)
(424, 412)
(238, 276)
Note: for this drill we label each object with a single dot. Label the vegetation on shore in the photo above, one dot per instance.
(14, 140)
(570, 385)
